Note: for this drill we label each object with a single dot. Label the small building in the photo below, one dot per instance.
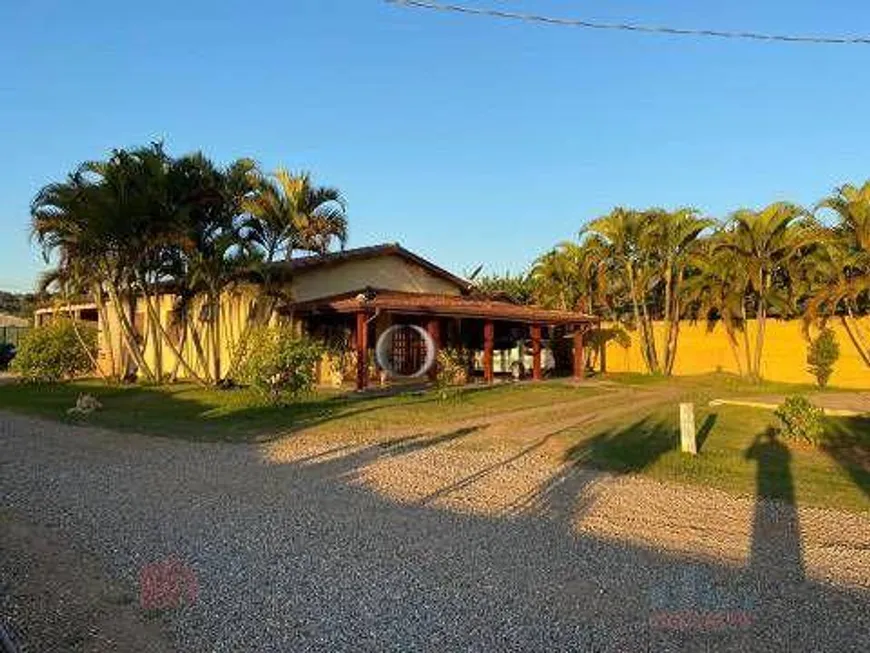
(349, 299)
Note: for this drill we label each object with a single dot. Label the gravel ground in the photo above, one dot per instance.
(302, 554)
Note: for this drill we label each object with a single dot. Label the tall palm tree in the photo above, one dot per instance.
(647, 254)
(75, 223)
(717, 291)
(290, 213)
(564, 278)
(626, 238)
(212, 253)
(766, 243)
(674, 243)
(843, 270)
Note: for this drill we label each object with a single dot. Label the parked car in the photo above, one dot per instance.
(517, 360)
(7, 353)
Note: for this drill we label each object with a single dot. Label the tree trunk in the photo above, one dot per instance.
(83, 344)
(747, 347)
(761, 319)
(647, 352)
(853, 331)
(200, 353)
(128, 334)
(215, 315)
(179, 354)
(732, 342)
(106, 329)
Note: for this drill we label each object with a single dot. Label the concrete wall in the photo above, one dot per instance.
(701, 351)
(383, 272)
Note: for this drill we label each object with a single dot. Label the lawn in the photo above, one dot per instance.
(195, 413)
(737, 455)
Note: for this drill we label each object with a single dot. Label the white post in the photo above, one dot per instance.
(688, 444)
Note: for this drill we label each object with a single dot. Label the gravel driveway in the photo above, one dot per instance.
(294, 556)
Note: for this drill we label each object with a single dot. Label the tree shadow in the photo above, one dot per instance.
(776, 550)
(629, 449)
(328, 465)
(848, 443)
(705, 429)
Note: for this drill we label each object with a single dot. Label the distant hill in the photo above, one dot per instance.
(17, 304)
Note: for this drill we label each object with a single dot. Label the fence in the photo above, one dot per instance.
(702, 350)
(12, 334)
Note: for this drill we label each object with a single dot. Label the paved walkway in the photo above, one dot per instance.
(315, 552)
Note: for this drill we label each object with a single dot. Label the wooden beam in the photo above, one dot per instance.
(362, 338)
(488, 349)
(536, 352)
(579, 362)
(433, 328)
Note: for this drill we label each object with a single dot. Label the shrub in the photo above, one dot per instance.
(278, 364)
(452, 373)
(801, 419)
(823, 353)
(55, 352)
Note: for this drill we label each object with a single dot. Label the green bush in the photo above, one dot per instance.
(801, 420)
(55, 352)
(452, 373)
(823, 353)
(279, 364)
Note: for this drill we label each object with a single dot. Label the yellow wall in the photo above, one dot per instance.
(701, 351)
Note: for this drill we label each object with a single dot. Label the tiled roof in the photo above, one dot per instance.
(442, 305)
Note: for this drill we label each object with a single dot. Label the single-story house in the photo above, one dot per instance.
(349, 298)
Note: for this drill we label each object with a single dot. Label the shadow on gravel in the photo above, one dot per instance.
(776, 539)
(849, 444)
(299, 556)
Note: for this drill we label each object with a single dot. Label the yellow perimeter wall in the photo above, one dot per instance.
(701, 351)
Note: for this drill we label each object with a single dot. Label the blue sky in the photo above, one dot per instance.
(468, 140)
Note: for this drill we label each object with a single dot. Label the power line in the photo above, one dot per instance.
(627, 27)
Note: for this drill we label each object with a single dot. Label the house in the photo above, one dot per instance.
(349, 299)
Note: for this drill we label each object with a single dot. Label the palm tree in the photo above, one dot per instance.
(716, 290)
(674, 242)
(212, 253)
(625, 238)
(646, 253)
(843, 270)
(767, 243)
(566, 277)
(75, 224)
(289, 213)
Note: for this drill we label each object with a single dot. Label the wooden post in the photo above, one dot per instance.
(488, 347)
(433, 328)
(579, 358)
(688, 442)
(362, 328)
(536, 352)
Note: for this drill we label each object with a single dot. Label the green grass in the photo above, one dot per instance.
(735, 454)
(717, 383)
(738, 456)
(194, 413)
